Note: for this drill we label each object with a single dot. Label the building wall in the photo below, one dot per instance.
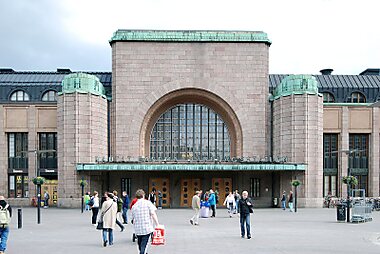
(144, 72)
(298, 135)
(82, 136)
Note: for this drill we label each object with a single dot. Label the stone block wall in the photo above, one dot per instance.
(298, 134)
(82, 135)
(144, 72)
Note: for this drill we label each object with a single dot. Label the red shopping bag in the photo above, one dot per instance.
(159, 235)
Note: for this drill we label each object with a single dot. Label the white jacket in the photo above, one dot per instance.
(230, 199)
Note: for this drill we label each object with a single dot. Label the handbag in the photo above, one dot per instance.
(100, 221)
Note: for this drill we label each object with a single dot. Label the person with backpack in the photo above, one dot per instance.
(119, 203)
(5, 220)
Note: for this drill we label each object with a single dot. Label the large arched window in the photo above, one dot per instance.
(19, 96)
(357, 97)
(50, 96)
(190, 132)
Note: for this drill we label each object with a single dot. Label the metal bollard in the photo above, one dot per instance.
(19, 217)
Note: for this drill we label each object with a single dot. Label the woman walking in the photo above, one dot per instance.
(94, 201)
(108, 216)
(290, 201)
(229, 202)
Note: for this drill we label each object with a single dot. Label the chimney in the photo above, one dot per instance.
(6, 70)
(326, 71)
(63, 70)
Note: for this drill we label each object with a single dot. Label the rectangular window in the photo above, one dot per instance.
(330, 164)
(255, 187)
(18, 186)
(48, 150)
(126, 186)
(17, 150)
(358, 159)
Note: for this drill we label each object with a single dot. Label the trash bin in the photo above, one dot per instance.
(341, 212)
(205, 209)
(275, 202)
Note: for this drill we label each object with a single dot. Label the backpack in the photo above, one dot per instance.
(119, 204)
(91, 202)
(5, 217)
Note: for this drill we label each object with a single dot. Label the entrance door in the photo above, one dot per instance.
(188, 188)
(223, 186)
(51, 186)
(160, 184)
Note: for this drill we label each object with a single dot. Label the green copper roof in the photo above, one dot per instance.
(82, 83)
(189, 36)
(188, 167)
(296, 84)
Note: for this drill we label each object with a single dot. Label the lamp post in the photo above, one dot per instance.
(295, 183)
(82, 183)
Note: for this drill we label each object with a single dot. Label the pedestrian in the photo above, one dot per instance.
(237, 198)
(46, 198)
(290, 201)
(125, 207)
(108, 216)
(245, 208)
(283, 200)
(134, 237)
(212, 201)
(143, 212)
(5, 220)
(119, 203)
(159, 200)
(94, 204)
(229, 202)
(86, 200)
(152, 196)
(196, 205)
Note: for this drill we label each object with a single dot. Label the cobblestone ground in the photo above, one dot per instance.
(274, 231)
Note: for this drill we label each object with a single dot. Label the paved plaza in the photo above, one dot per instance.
(274, 231)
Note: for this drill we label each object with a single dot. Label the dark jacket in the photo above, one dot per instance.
(3, 204)
(126, 202)
(244, 207)
(290, 198)
(283, 197)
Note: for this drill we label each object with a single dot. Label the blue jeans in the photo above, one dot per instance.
(4, 232)
(125, 214)
(283, 205)
(142, 241)
(110, 235)
(245, 219)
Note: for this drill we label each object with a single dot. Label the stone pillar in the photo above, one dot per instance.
(344, 146)
(3, 156)
(32, 145)
(373, 176)
(82, 133)
(298, 134)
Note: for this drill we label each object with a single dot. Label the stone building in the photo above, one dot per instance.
(188, 110)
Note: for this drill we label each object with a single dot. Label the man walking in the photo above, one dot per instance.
(245, 208)
(143, 212)
(196, 205)
(5, 220)
(125, 207)
(290, 201)
(212, 201)
(283, 200)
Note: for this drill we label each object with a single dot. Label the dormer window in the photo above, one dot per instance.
(19, 96)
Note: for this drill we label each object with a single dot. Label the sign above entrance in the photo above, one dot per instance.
(189, 167)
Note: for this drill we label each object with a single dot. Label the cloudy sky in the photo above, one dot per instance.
(307, 35)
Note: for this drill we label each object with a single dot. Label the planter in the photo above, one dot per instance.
(39, 180)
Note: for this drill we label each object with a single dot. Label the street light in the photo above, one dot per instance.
(37, 173)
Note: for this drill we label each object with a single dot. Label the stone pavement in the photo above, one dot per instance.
(274, 231)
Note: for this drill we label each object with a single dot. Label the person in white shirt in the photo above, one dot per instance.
(94, 201)
(229, 202)
(143, 217)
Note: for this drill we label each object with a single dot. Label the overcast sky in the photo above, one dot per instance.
(306, 35)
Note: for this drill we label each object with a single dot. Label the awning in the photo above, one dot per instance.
(189, 167)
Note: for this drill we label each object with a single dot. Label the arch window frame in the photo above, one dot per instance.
(49, 96)
(357, 97)
(328, 97)
(19, 96)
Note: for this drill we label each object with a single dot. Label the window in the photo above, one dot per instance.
(357, 97)
(20, 96)
(255, 187)
(126, 186)
(330, 164)
(18, 150)
(358, 160)
(48, 143)
(18, 186)
(328, 97)
(50, 96)
(190, 132)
